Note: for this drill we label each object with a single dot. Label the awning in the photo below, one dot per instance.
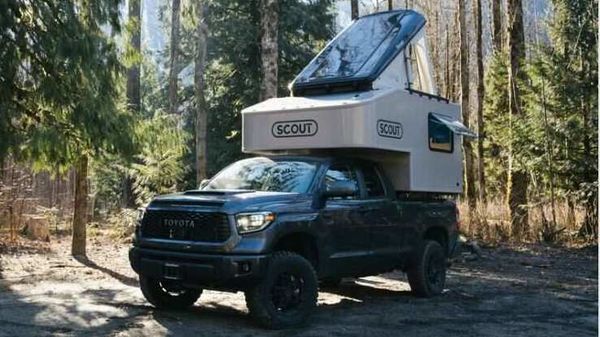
(455, 126)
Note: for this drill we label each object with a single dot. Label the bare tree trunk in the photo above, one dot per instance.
(549, 158)
(517, 177)
(464, 102)
(133, 73)
(390, 5)
(497, 36)
(269, 18)
(447, 64)
(133, 88)
(354, 9)
(80, 208)
(201, 113)
(173, 62)
(455, 79)
(480, 94)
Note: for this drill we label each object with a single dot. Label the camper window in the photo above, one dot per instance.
(441, 137)
(413, 70)
(417, 67)
(341, 173)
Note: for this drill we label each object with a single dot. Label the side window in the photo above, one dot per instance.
(441, 137)
(418, 68)
(373, 184)
(414, 74)
(341, 173)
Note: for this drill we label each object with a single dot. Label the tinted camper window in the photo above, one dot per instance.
(440, 136)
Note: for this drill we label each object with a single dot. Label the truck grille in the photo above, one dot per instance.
(189, 226)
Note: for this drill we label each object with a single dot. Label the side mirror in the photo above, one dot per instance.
(203, 183)
(340, 189)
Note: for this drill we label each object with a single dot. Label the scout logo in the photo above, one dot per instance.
(300, 128)
(389, 129)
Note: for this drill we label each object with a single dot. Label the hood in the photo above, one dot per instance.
(229, 201)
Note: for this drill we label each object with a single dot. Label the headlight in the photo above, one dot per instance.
(252, 222)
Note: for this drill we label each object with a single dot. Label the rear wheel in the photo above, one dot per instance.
(167, 294)
(287, 295)
(427, 273)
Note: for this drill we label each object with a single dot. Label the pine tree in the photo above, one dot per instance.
(199, 88)
(354, 9)
(497, 33)
(269, 21)
(517, 176)
(480, 95)
(465, 107)
(133, 73)
(174, 55)
(56, 126)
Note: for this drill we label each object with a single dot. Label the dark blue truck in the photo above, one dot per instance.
(279, 227)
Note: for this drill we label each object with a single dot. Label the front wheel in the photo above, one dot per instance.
(427, 273)
(287, 295)
(168, 294)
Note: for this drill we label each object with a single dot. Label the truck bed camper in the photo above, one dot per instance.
(369, 92)
(351, 179)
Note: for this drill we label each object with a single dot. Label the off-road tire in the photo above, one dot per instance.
(261, 299)
(427, 271)
(154, 291)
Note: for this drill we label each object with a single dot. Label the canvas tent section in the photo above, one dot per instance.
(370, 94)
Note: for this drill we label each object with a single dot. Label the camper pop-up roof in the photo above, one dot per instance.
(369, 93)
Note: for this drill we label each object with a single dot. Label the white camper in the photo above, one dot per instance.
(369, 93)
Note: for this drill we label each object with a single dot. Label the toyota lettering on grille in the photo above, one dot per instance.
(178, 223)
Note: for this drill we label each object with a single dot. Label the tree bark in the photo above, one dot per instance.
(480, 94)
(354, 9)
(464, 102)
(80, 208)
(173, 61)
(497, 36)
(269, 21)
(390, 5)
(133, 88)
(517, 177)
(133, 73)
(201, 110)
(447, 90)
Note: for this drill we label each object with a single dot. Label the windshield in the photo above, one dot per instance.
(264, 174)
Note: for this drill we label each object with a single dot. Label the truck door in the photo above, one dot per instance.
(379, 212)
(348, 236)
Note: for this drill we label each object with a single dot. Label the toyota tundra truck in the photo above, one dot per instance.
(279, 227)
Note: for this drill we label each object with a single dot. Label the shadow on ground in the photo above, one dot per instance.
(517, 291)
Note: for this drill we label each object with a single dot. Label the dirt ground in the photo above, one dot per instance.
(529, 290)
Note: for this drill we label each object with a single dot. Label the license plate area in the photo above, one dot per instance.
(172, 271)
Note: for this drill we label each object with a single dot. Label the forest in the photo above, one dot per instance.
(106, 104)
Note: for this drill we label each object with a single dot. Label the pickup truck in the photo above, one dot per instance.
(279, 227)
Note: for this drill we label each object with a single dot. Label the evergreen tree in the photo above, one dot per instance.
(567, 71)
(45, 43)
(517, 175)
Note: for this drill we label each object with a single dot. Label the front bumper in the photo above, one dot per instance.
(199, 270)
